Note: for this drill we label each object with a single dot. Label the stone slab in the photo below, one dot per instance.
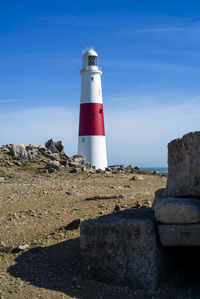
(184, 166)
(123, 248)
(179, 234)
(177, 210)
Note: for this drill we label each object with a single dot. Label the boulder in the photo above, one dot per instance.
(19, 152)
(75, 170)
(55, 147)
(178, 210)
(123, 248)
(5, 148)
(77, 160)
(179, 234)
(184, 166)
(31, 146)
(33, 153)
(52, 166)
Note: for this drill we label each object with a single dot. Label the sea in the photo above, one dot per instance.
(157, 169)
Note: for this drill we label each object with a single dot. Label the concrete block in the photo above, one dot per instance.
(123, 248)
(177, 210)
(184, 166)
(179, 234)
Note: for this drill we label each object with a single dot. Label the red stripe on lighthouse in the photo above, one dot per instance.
(91, 121)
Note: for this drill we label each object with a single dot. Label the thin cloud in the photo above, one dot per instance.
(134, 135)
(5, 101)
(38, 125)
(145, 64)
(140, 136)
(74, 20)
(161, 29)
(177, 30)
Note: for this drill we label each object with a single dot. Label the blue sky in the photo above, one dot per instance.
(150, 55)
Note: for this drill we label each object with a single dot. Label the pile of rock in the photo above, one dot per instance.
(12, 154)
(53, 155)
(177, 208)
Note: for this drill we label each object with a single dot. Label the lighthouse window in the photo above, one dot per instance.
(92, 78)
(83, 139)
(92, 60)
(92, 116)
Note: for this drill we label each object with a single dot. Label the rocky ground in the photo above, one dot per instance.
(39, 247)
(40, 215)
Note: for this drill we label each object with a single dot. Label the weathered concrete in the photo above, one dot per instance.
(123, 248)
(184, 166)
(158, 197)
(179, 234)
(177, 210)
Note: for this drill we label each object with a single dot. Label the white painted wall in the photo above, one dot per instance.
(94, 150)
(91, 88)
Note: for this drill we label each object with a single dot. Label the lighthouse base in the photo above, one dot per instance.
(93, 148)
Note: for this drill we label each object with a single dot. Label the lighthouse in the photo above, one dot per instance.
(91, 140)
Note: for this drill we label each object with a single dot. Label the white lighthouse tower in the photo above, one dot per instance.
(91, 141)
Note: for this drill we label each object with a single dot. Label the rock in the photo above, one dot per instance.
(75, 170)
(20, 248)
(97, 197)
(43, 170)
(128, 186)
(114, 171)
(179, 234)
(31, 146)
(23, 247)
(129, 168)
(18, 163)
(117, 208)
(77, 160)
(137, 178)
(2, 179)
(51, 170)
(19, 152)
(91, 171)
(184, 166)
(69, 193)
(42, 148)
(5, 148)
(64, 163)
(123, 248)
(178, 210)
(55, 147)
(4, 248)
(53, 165)
(137, 205)
(73, 225)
